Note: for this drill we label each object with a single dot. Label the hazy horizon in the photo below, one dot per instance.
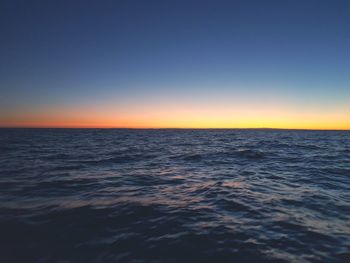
(166, 128)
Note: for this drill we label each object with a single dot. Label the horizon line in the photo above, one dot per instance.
(167, 128)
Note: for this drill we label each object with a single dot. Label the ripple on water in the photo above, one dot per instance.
(90, 195)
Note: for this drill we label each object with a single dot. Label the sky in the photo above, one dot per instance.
(175, 64)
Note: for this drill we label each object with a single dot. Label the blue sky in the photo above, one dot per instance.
(122, 53)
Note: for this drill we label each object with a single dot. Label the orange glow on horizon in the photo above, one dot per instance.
(184, 117)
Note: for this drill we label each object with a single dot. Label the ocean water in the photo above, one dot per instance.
(118, 195)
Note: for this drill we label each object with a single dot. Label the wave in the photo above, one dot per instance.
(174, 196)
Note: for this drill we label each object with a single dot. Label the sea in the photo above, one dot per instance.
(174, 195)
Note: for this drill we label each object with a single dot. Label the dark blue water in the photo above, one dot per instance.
(90, 195)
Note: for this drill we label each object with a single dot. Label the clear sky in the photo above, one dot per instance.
(182, 64)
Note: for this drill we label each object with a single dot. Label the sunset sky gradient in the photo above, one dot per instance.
(175, 64)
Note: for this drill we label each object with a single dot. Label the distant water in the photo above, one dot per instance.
(93, 195)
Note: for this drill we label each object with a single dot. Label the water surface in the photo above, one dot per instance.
(110, 195)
